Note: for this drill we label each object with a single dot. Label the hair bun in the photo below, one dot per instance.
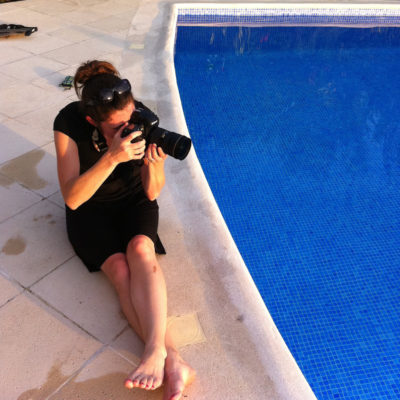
(90, 69)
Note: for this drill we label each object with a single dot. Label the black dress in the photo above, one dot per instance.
(118, 211)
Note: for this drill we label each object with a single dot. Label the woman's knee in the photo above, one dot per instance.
(116, 269)
(141, 247)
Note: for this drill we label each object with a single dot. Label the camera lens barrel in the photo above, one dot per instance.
(173, 144)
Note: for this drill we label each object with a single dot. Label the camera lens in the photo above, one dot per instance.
(173, 144)
(182, 147)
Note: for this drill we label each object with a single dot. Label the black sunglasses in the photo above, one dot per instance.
(107, 95)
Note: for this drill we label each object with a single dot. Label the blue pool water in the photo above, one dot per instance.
(298, 132)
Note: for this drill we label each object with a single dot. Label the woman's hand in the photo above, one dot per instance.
(154, 155)
(122, 150)
(153, 178)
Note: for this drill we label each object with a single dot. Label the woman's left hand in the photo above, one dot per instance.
(154, 155)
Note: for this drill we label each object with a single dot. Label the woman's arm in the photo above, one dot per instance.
(152, 172)
(77, 189)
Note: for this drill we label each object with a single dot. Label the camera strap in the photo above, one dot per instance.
(99, 141)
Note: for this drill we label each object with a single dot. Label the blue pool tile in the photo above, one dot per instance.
(296, 131)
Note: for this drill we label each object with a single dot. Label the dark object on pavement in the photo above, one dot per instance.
(67, 83)
(7, 30)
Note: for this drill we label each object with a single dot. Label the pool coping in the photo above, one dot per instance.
(276, 358)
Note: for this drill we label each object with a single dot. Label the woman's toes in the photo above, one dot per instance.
(149, 384)
(136, 381)
(156, 383)
(143, 383)
(129, 384)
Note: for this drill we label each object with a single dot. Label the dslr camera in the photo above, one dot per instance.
(144, 120)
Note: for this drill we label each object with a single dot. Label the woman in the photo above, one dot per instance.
(110, 186)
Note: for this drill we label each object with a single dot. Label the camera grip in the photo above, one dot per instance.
(126, 131)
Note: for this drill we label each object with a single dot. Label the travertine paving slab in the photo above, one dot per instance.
(85, 14)
(24, 130)
(34, 242)
(129, 345)
(36, 170)
(76, 33)
(103, 379)
(39, 349)
(32, 68)
(8, 290)
(122, 8)
(42, 119)
(113, 23)
(27, 17)
(107, 43)
(22, 98)
(13, 144)
(39, 43)
(88, 299)
(57, 199)
(74, 54)
(6, 81)
(14, 197)
(12, 54)
(51, 82)
(58, 8)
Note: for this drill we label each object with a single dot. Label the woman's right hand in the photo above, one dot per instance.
(122, 150)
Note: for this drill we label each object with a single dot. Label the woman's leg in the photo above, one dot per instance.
(149, 300)
(177, 372)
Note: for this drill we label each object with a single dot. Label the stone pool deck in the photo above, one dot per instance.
(62, 334)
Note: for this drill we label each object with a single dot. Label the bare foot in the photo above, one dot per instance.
(178, 374)
(150, 373)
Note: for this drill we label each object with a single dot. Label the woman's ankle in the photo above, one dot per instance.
(151, 348)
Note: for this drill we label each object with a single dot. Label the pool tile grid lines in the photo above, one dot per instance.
(45, 293)
(284, 261)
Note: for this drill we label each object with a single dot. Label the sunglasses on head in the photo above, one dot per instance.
(106, 95)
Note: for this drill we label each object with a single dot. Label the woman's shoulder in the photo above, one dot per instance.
(70, 110)
(71, 121)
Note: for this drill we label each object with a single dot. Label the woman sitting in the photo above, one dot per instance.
(110, 186)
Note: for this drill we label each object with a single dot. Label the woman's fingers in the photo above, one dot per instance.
(161, 153)
(156, 154)
(132, 135)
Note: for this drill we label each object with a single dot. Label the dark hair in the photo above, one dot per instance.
(90, 78)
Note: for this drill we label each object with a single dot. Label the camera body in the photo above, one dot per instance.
(144, 120)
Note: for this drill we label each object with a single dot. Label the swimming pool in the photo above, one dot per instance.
(295, 133)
